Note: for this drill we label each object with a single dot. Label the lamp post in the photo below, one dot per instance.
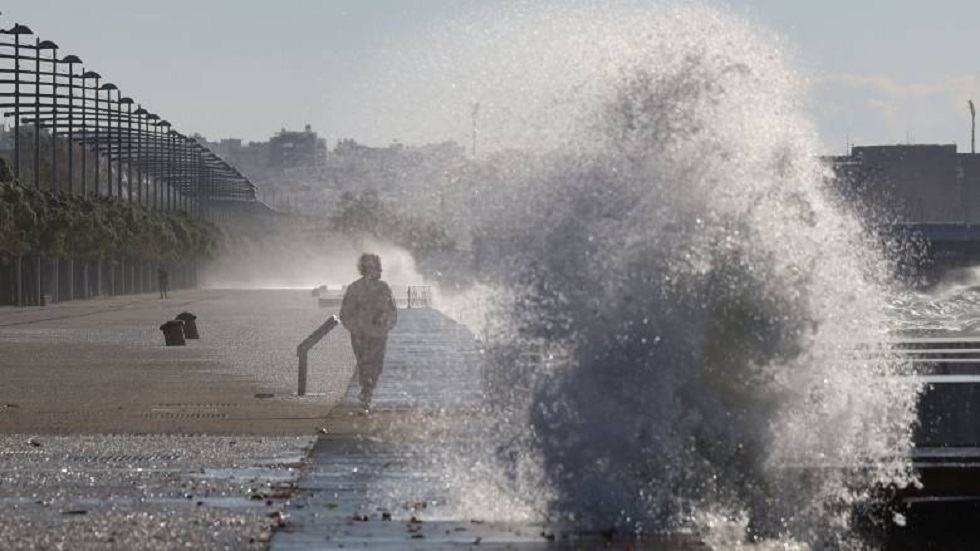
(86, 75)
(118, 143)
(184, 166)
(128, 102)
(127, 283)
(163, 130)
(37, 115)
(166, 174)
(109, 87)
(140, 114)
(48, 45)
(54, 282)
(152, 144)
(17, 31)
(38, 47)
(71, 60)
(185, 184)
(85, 88)
(176, 186)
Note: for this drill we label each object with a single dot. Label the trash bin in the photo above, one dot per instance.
(173, 333)
(190, 326)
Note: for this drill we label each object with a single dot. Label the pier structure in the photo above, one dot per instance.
(928, 192)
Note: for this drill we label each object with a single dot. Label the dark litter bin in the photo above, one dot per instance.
(190, 326)
(173, 333)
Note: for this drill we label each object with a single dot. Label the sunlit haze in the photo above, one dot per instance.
(880, 72)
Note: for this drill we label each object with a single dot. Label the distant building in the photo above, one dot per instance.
(913, 184)
(227, 148)
(296, 149)
(295, 172)
(350, 149)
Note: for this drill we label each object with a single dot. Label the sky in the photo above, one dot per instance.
(879, 72)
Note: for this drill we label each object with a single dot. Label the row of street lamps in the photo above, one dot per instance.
(145, 159)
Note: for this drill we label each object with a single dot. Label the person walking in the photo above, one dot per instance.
(368, 313)
(163, 281)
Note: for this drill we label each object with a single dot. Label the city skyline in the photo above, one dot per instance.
(878, 72)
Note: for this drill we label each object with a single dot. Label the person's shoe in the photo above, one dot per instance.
(365, 405)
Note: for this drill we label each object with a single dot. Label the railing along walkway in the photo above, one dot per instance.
(304, 348)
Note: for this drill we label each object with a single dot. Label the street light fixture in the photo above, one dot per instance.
(49, 45)
(109, 87)
(39, 45)
(154, 160)
(167, 199)
(140, 114)
(128, 102)
(85, 76)
(17, 31)
(71, 60)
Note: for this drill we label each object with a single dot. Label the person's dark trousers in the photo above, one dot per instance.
(370, 355)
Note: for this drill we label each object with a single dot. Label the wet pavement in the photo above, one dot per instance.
(109, 439)
(101, 366)
(345, 497)
(378, 481)
(145, 492)
(338, 505)
(112, 440)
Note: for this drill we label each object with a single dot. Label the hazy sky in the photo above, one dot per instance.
(880, 71)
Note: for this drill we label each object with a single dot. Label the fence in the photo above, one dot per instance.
(419, 296)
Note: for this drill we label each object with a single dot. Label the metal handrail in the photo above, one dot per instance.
(419, 296)
(304, 348)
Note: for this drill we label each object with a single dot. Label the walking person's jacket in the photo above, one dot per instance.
(368, 308)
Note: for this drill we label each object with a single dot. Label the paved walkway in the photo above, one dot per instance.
(106, 432)
(371, 482)
(111, 440)
(101, 366)
(382, 481)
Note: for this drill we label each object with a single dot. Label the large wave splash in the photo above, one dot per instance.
(684, 295)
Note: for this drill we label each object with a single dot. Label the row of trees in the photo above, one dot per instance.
(366, 214)
(61, 225)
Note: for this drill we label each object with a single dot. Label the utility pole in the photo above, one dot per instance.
(973, 127)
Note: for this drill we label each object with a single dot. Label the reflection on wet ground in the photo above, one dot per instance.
(145, 492)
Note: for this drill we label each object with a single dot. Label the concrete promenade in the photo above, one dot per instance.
(383, 481)
(101, 366)
(109, 439)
